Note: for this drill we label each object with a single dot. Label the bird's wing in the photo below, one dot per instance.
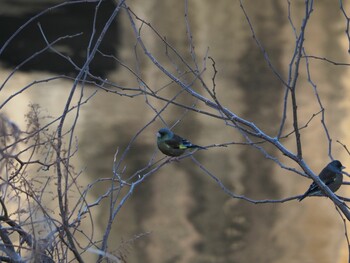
(178, 143)
(314, 187)
(329, 180)
(173, 143)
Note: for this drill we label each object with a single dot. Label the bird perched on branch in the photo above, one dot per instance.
(173, 145)
(331, 176)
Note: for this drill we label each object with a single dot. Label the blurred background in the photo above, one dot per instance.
(180, 214)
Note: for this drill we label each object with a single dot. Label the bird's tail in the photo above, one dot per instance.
(196, 146)
(301, 197)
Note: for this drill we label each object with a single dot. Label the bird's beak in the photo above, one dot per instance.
(158, 135)
(343, 167)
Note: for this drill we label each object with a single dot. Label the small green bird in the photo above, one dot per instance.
(331, 176)
(173, 145)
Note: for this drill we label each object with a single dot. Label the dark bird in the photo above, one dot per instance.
(331, 176)
(173, 145)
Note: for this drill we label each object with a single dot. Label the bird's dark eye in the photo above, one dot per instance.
(338, 164)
